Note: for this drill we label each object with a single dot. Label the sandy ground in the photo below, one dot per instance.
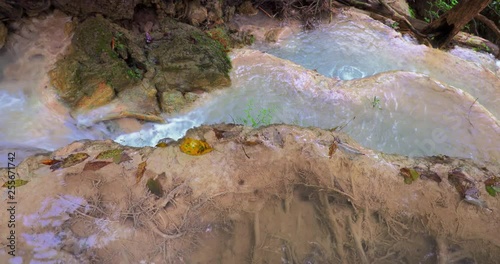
(277, 194)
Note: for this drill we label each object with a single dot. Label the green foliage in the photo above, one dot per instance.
(256, 118)
(395, 25)
(134, 73)
(412, 12)
(376, 103)
(437, 8)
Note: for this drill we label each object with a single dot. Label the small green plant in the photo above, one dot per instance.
(412, 12)
(255, 118)
(376, 103)
(135, 73)
(395, 25)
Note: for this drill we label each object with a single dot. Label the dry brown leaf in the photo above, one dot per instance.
(95, 165)
(332, 149)
(140, 171)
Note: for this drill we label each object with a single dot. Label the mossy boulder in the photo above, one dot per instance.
(93, 69)
(107, 60)
(187, 59)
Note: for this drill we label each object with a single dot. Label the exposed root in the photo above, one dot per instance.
(333, 226)
(155, 229)
(355, 232)
(256, 236)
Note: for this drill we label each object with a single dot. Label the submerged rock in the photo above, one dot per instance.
(299, 193)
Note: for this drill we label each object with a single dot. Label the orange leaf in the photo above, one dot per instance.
(140, 171)
(49, 161)
(332, 149)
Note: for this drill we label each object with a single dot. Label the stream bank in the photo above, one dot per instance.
(279, 193)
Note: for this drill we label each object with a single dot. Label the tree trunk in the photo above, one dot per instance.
(450, 23)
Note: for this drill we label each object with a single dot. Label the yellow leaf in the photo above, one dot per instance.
(74, 159)
(15, 183)
(194, 147)
(161, 145)
(110, 154)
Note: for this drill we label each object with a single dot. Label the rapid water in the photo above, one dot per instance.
(351, 49)
(403, 121)
(32, 119)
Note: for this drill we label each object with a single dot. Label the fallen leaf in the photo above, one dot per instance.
(49, 161)
(140, 171)
(219, 133)
(462, 182)
(409, 175)
(154, 187)
(124, 157)
(492, 185)
(161, 145)
(252, 143)
(110, 154)
(73, 159)
(332, 149)
(16, 183)
(195, 147)
(428, 174)
(95, 165)
(56, 166)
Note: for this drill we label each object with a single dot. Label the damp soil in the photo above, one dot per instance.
(279, 194)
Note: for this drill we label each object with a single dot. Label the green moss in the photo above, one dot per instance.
(94, 37)
(214, 52)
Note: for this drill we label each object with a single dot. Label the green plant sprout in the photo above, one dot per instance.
(376, 103)
(437, 8)
(135, 73)
(263, 116)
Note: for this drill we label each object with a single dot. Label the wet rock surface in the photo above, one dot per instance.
(109, 62)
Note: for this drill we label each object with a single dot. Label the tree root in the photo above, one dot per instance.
(355, 231)
(333, 226)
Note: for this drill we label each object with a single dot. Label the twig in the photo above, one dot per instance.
(155, 229)
(470, 108)
(245, 152)
(170, 196)
(265, 12)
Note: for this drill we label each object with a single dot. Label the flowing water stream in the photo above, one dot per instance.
(395, 112)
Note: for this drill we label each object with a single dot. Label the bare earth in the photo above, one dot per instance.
(279, 194)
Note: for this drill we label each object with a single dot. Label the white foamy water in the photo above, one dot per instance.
(32, 119)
